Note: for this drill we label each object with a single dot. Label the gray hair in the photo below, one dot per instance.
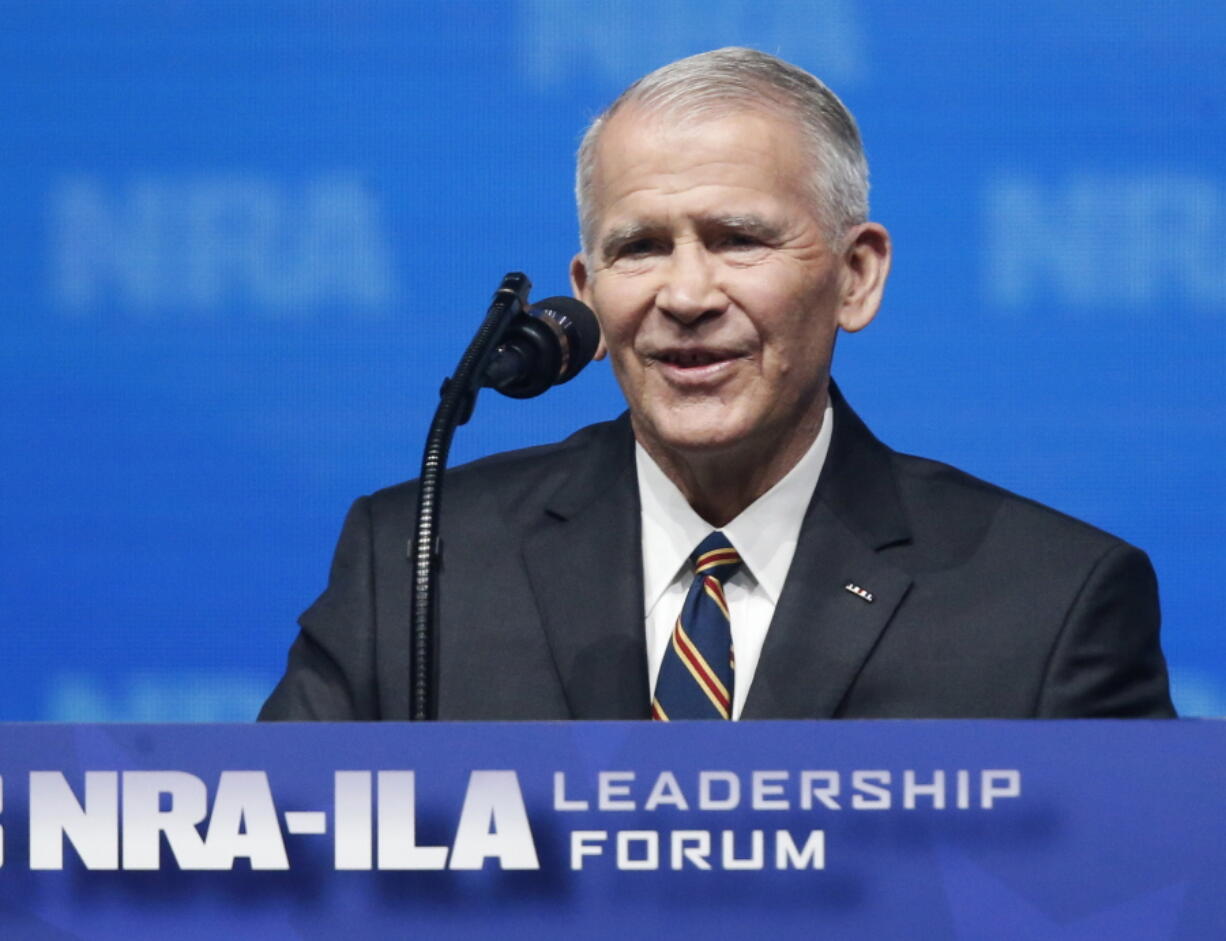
(720, 81)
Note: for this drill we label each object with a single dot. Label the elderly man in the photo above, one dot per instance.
(739, 546)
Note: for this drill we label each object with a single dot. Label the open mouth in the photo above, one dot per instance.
(693, 359)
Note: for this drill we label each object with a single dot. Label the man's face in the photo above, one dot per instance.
(717, 291)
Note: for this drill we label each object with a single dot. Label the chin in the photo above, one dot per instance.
(704, 437)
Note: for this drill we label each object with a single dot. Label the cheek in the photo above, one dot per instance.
(616, 313)
(799, 340)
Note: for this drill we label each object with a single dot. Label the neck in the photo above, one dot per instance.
(720, 484)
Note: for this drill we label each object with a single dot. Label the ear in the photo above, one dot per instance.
(866, 265)
(581, 288)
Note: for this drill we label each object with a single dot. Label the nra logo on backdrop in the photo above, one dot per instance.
(152, 244)
(1104, 241)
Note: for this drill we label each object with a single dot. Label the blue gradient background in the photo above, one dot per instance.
(245, 242)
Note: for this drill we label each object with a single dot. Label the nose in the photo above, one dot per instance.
(690, 289)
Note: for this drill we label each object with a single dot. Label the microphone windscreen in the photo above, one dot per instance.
(579, 323)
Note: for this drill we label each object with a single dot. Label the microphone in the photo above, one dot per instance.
(544, 346)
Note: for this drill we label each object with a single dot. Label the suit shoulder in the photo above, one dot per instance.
(509, 476)
(950, 505)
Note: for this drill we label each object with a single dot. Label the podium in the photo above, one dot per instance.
(907, 829)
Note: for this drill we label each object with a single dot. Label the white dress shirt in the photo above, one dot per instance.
(765, 535)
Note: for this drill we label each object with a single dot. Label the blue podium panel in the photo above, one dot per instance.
(785, 829)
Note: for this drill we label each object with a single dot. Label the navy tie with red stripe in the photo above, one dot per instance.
(696, 679)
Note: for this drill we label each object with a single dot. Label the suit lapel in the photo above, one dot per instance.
(585, 565)
(822, 631)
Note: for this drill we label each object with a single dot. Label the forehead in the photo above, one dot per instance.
(651, 162)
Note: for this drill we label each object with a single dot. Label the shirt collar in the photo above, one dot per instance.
(765, 533)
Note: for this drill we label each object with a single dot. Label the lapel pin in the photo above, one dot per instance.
(859, 592)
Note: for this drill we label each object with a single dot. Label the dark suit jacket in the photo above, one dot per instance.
(983, 604)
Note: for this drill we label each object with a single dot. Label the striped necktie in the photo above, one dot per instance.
(696, 677)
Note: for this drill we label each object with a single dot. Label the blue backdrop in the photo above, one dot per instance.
(243, 243)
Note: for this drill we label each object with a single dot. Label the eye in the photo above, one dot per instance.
(637, 248)
(739, 241)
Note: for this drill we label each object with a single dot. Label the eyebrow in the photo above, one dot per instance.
(746, 223)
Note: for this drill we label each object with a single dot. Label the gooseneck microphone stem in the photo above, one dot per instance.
(456, 400)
